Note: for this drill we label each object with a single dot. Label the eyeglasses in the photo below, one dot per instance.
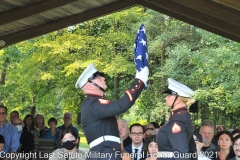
(68, 139)
(95, 75)
(15, 124)
(2, 113)
(236, 145)
(136, 133)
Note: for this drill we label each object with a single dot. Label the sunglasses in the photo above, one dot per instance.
(95, 75)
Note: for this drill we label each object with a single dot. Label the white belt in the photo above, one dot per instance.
(104, 138)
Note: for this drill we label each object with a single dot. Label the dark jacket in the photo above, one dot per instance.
(26, 141)
(233, 158)
(98, 118)
(177, 136)
(129, 150)
(63, 128)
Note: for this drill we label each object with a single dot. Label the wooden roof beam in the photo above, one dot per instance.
(31, 9)
(65, 22)
(194, 17)
(224, 13)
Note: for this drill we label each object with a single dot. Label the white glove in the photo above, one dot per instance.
(143, 75)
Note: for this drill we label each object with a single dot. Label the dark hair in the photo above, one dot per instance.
(15, 112)
(155, 124)
(236, 138)
(2, 106)
(71, 131)
(52, 119)
(161, 124)
(148, 129)
(32, 127)
(136, 124)
(220, 126)
(227, 133)
(235, 131)
(147, 141)
(231, 152)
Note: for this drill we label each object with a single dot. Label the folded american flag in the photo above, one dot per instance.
(141, 49)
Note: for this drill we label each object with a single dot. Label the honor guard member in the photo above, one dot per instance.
(175, 138)
(98, 114)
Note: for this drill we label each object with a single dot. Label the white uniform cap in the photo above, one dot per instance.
(177, 88)
(87, 73)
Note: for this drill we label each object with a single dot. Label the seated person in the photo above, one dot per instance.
(30, 125)
(40, 124)
(26, 138)
(53, 133)
(69, 143)
(150, 147)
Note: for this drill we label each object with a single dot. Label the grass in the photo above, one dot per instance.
(83, 141)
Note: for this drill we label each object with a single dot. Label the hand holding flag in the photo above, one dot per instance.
(141, 55)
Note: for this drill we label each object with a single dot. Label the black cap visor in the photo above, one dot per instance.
(169, 91)
(95, 75)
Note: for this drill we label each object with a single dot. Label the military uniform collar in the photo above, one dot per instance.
(179, 110)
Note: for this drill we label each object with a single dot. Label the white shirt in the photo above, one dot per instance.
(139, 152)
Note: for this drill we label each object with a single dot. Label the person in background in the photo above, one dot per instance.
(176, 136)
(225, 141)
(150, 147)
(199, 144)
(155, 124)
(196, 128)
(148, 132)
(2, 142)
(13, 115)
(219, 128)
(149, 126)
(136, 147)
(26, 138)
(9, 132)
(40, 124)
(30, 125)
(207, 132)
(53, 133)
(236, 148)
(235, 132)
(69, 147)
(67, 123)
(123, 131)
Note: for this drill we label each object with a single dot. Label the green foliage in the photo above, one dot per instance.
(42, 71)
